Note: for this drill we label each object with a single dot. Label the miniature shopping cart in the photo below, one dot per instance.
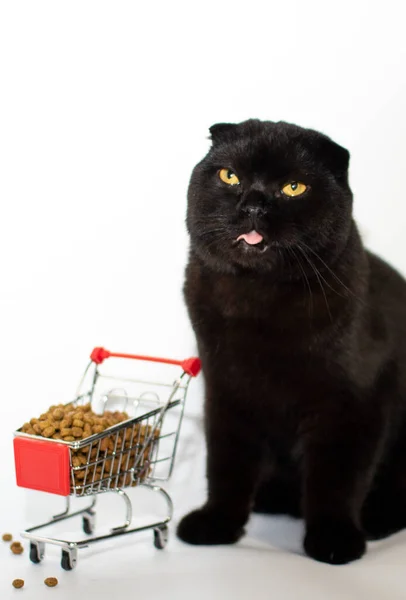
(138, 451)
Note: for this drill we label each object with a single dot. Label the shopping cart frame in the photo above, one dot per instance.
(143, 476)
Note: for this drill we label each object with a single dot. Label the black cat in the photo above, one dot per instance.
(302, 336)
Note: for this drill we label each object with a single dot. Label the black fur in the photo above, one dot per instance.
(303, 346)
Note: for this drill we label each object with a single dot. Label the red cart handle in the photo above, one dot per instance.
(191, 366)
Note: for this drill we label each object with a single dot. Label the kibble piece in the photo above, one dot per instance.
(7, 537)
(76, 461)
(104, 446)
(104, 423)
(18, 583)
(69, 438)
(66, 431)
(48, 432)
(16, 548)
(51, 581)
(58, 414)
(77, 432)
(83, 459)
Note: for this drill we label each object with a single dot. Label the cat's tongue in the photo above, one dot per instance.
(252, 238)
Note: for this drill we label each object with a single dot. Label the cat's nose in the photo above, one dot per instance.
(253, 211)
(253, 204)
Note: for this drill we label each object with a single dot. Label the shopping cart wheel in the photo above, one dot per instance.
(161, 537)
(69, 558)
(89, 523)
(37, 552)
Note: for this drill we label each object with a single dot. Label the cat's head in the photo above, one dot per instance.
(264, 190)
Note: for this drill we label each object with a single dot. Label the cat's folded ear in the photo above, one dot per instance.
(221, 131)
(335, 156)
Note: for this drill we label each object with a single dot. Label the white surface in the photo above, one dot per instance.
(267, 563)
(104, 110)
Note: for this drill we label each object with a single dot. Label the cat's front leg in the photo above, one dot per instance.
(234, 453)
(340, 457)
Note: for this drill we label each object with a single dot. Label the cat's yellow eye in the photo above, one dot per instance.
(229, 177)
(295, 188)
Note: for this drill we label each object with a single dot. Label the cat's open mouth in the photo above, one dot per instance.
(252, 240)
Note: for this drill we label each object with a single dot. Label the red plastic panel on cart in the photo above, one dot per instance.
(42, 465)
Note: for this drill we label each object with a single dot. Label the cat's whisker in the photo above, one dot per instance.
(211, 231)
(322, 276)
(317, 273)
(305, 279)
(332, 272)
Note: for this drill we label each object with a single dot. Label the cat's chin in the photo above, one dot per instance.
(260, 258)
(260, 248)
(231, 258)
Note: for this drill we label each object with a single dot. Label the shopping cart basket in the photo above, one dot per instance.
(138, 451)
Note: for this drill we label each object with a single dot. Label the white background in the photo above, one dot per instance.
(104, 110)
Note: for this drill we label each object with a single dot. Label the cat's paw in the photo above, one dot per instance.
(334, 541)
(207, 527)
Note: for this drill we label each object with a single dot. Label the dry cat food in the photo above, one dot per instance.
(18, 583)
(51, 581)
(106, 460)
(7, 537)
(70, 423)
(16, 548)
